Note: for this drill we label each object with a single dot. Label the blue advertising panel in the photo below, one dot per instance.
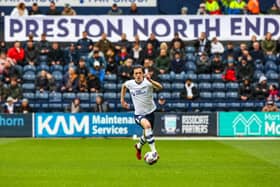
(85, 125)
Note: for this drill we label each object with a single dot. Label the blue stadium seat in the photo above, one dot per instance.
(57, 68)
(177, 86)
(248, 106)
(270, 66)
(155, 95)
(166, 86)
(111, 78)
(93, 96)
(189, 49)
(68, 97)
(232, 86)
(219, 95)
(176, 95)
(234, 106)
(42, 96)
(110, 96)
(28, 87)
(272, 75)
(56, 107)
(191, 75)
(273, 82)
(164, 77)
(259, 67)
(205, 86)
(43, 58)
(190, 57)
(29, 95)
(194, 105)
(257, 75)
(112, 107)
(84, 97)
(206, 106)
(29, 68)
(178, 77)
(190, 66)
(205, 95)
(166, 95)
(204, 77)
(119, 86)
(29, 77)
(58, 76)
(218, 86)
(232, 95)
(110, 87)
(221, 106)
(127, 96)
(179, 106)
(55, 97)
(43, 67)
(86, 107)
(217, 77)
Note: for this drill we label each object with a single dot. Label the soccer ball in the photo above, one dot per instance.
(151, 158)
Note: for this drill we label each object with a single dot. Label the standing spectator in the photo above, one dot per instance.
(82, 85)
(153, 40)
(257, 54)
(115, 10)
(261, 91)
(137, 54)
(31, 54)
(237, 7)
(125, 71)
(93, 83)
(100, 105)
(217, 47)
(230, 72)
(133, 9)
(217, 65)
(3, 47)
(177, 39)
(44, 45)
(82, 69)
(203, 64)
(19, 10)
(104, 44)
(162, 105)
(35, 10)
(273, 93)
(244, 69)
(75, 106)
(16, 53)
(178, 64)
(52, 9)
(68, 10)
(71, 55)
(176, 48)
(201, 10)
(56, 55)
(202, 44)
(253, 6)
(270, 106)
(245, 91)
(9, 107)
(24, 107)
(14, 90)
(184, 10)
(98, 71)
(84, 45)
(268, 44)
(190, 92)
(70, 81)
(163, 62)
(150, 52)
(212, 7)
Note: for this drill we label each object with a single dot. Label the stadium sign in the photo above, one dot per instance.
(185, 124)
(85, 125)
(16, 125)
(58, 28)
(249, 124)
(82, 3)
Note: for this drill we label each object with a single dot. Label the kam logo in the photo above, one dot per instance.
(247, 125)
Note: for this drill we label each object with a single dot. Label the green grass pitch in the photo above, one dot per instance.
(112, 163)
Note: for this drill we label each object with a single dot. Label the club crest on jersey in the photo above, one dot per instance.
(139, 92)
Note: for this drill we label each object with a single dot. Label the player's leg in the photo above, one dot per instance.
(139, 146)
(145, 123)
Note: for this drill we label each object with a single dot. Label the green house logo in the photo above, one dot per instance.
(250, 126)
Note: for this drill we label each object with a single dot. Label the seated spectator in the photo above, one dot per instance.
(51, 82)
(52, 9)
(112, 66)
(84, 45)
(268, 44)
(251, 42)
(82, 85)
(93, 83)
(270, 106)
(153, 73)
(4, 61)
(3, 92)
(273, 93)
(115, 10)
(24, 107)
(29, 39)
(70, 81)
(154, 41)
(71, 56)
(14, 90)
(217, 65)
(213, 7)
(44, 45)
(56, 55)
(201, 10)
(96, 58)
(68, 10)
(239, 51)
(261, 91)
(35, 10)
(163, 62)
(137, 54)
(16, 53)
(178, 64)
(150, 68)
(177, 39)
(3, 47)
(11, 71)
(217, 47)
(125, 71)
(274, 10)
(82, 69)
(133, 9)
(123, 42)
(253, 7)
(245, 91)
(138, 41)
(245, 69)
(230, 72)
(150, 52)
(237, 7)
(184, 10)
(98, 71)
(75, 106)
(162, 105)
(203, 64)
(229, 50)
(104, 44)
(230, 59)
(100, 105)
(42, 83)
(202, 44)
(9, 106)
(176, 48)
(19, 10)
(122, 56)
(190, 92)
(31, 54)
(257, 54)
(164, 45)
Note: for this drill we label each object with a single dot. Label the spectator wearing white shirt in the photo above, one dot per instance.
(216, 46)
(19, 10)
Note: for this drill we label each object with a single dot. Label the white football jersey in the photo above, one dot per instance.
(142, 96)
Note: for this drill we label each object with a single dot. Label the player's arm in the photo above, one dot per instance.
(155, 84)
(123, 92)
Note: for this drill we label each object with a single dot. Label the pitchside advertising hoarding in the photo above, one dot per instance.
(60, 28)
(185, 124)
(85, 125)
(15, 125)
(82, 3)
(249, 124)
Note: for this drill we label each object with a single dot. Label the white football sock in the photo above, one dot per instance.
(141, 142)
(150, 139)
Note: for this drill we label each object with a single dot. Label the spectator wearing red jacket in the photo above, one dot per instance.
(230, 72)
(16, 53)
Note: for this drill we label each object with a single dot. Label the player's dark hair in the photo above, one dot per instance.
(137, 67)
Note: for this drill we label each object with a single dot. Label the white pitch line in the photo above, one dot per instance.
(216, 138)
